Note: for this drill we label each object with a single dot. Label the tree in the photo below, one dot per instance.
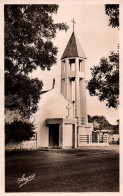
(105, 76)
(100, 122)
(22, 94)
(16, 131)
(105, 80)
(29, 30)
(112, 10)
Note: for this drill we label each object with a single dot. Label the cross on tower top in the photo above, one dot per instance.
(73, 23)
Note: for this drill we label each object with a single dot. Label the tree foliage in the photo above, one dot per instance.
(112, 10)
(102, 123)
(105, 76)
(29, 30)
(17, 131)
(105, 80)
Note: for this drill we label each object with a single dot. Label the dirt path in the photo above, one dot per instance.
(76, 170)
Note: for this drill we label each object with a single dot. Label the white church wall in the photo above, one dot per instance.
(52, 105)
(68, 135)
(42, 135)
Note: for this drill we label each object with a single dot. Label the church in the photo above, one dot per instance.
(62, 117)
(61, 120)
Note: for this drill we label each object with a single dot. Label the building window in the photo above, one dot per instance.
(63, 66)
(80, 65)
(72, 64)
(72, 80)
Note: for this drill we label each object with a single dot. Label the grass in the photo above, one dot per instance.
(88, 169)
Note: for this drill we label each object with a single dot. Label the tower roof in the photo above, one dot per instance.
(73, 48)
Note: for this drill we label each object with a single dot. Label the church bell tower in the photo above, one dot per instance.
(73, 85)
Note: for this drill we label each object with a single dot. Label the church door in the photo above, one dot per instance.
(54, 135)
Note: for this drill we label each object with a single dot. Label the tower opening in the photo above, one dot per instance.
(72, 80)
(63, 66)
(72, 64)
(80, 65)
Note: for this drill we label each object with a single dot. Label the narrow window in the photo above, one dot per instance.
(80, 65)
(72, 64)
(63, 66)
(73, 89)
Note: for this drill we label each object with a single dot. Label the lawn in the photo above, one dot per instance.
(88, 169)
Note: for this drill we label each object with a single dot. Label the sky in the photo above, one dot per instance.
(97, 39)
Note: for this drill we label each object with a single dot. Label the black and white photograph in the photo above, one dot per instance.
(61, 96)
